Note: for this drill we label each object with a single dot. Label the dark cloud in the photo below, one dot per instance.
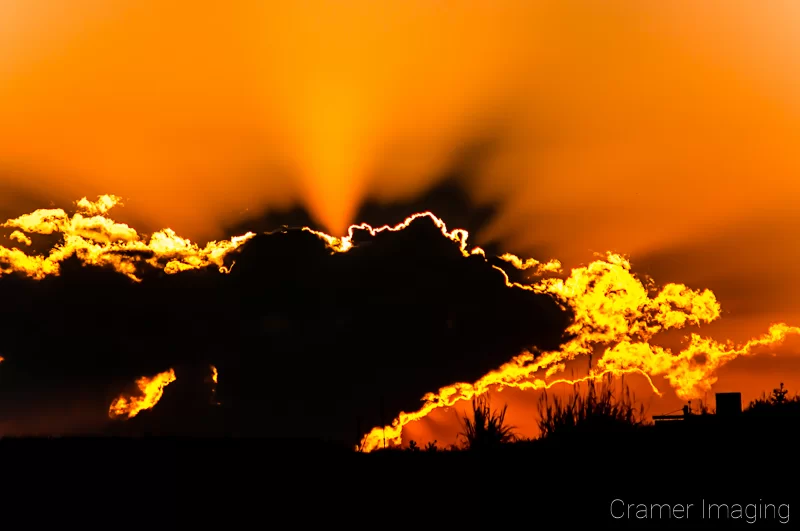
(273, 219)
(308, 343)
(449, 199)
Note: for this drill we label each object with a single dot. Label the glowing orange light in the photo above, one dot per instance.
(215, 379)
(613, 308)
(98, 240)
(151, 390)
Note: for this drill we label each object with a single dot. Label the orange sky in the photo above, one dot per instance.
(662, 130)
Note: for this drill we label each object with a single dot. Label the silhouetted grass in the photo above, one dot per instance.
(598, 410)
(487, 429)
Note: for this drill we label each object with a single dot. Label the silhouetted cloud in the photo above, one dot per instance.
(308, 343)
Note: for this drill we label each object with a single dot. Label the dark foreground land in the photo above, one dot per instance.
(240, 483)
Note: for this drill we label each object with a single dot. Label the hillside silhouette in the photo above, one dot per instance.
(597, 452)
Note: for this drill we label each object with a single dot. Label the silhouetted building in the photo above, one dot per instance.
(686, 413)
(671, 418)
(729, 404)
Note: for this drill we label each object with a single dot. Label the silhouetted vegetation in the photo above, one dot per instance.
(777, 403)
(703, 409)
(610, 437)
(487, 429)
(598, 410)
(603, 412)
(430, 447)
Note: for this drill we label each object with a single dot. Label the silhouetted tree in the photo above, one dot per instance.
(779, 395)
(487, 429)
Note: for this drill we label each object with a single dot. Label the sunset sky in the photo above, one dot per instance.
(667, 132)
